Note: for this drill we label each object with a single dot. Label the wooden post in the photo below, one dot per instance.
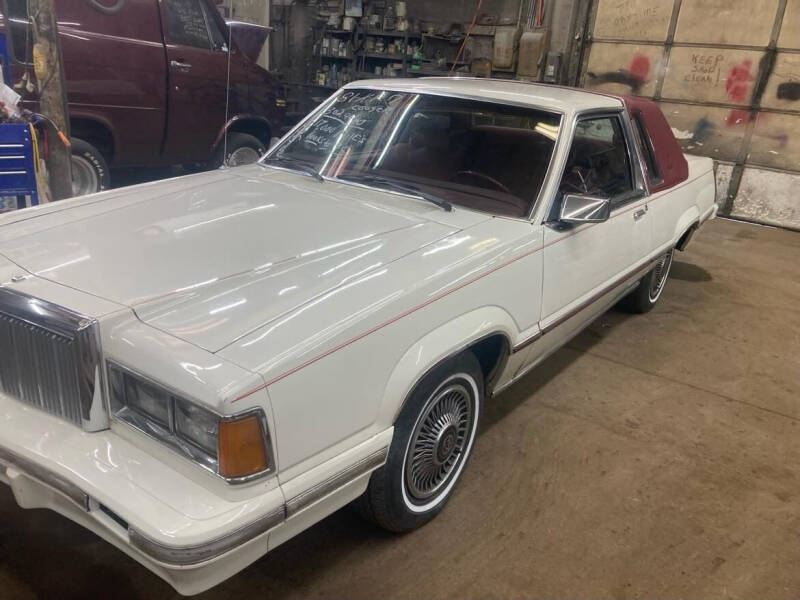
(52, 94)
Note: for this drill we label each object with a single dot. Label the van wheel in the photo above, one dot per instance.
(645, 296)
(241, 149)
(433, 439)
(89, 169)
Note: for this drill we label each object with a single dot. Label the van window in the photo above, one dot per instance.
(19, 30)
(598, 162)
(186, 23)
(646, 145)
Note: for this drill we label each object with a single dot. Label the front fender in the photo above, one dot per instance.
(255, 119)
(446, 340)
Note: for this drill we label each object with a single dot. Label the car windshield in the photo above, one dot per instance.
(480, 155)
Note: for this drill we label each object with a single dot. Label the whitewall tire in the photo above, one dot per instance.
(646, 295)
(433, 439)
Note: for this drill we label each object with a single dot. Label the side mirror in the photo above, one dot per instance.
(577, 209)
(249, 37)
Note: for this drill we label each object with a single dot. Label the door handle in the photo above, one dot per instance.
(180, 64)
(640, 213)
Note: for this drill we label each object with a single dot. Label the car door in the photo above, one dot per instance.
(197, 62)
(583, 263)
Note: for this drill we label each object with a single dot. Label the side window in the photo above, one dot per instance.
(646, 145)
(598, 162)
(186, 23)
(19, 30)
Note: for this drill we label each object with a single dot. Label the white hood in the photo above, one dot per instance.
(212, 257)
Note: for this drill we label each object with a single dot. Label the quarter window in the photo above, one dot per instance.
(186, 23)
(648, 154)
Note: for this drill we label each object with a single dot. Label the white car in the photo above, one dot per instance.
(198, 369)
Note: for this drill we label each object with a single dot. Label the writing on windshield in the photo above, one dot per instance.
(480, 155)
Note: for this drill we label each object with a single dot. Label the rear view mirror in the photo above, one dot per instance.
(577, 209)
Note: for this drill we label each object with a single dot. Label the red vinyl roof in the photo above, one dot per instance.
(672, 165)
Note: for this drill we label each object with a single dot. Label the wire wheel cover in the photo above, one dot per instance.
(439, 440)
(660, 272)
(243, 156)
(84, 177)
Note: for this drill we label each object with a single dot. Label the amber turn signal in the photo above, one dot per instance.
(241, 447)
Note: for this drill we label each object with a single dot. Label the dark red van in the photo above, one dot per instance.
(146, 84)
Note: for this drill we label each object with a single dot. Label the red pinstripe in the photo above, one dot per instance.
(434, 299)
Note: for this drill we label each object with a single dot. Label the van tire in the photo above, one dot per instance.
(89, 169)
(241, 149)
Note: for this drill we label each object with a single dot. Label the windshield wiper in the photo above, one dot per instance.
(397, 186)
(291, 163)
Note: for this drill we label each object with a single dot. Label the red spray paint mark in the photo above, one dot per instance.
(737, 116)
(639, 67)
(737, 87)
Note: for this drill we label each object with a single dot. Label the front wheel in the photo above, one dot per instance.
(433, 439)
(89, 169)
(240, 149)
(646, 295)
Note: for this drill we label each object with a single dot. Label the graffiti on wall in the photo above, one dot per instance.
(789, 90)
(724, 92)
(737, 87)
(632, 20)
(705, 69)
(634, 76)
(710, 93)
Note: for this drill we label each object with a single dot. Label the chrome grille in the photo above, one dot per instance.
(50, 359)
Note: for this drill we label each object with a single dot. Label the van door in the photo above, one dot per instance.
(197, 62)
(584, 264)
(115, 73)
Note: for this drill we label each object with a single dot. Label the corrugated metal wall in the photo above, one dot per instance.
(727, 76)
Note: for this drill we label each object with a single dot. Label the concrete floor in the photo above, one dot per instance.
(656, 456)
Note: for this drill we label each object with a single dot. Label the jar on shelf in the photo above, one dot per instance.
(389, 19)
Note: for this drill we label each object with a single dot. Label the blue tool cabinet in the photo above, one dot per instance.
(17, 175)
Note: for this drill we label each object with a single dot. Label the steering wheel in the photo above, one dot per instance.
(485, 177)
(578, 180)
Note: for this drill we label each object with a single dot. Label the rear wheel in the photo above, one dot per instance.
(89, 169)
(646, 295)
(432, 442)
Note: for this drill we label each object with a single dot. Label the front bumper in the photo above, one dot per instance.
(172, 525)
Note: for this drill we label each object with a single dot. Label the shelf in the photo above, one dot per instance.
(338, 31)
(434, 73)
(459, 63)
(394, 57)
(335, 57)
(400, 34)
(451, 39)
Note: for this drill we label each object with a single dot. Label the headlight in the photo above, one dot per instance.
(236, 448)
(196, 425)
